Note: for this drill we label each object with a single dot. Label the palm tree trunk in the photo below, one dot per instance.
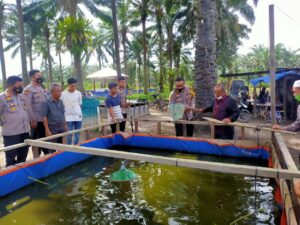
(60, 70)
(205, 56)
(22, 42)
(2, 59)
(49, 60)
(146, 78)
(161, 75)
(124, 51)
(170, 55)
(29, 44)
(78, 73)
(116, 37)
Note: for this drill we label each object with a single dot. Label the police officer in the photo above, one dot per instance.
(14, 120)
(35, 94)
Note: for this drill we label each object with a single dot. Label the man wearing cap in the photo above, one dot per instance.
(122, 92)
(113, 105)
(35, 95)
(14, 120)
(72, 100)
(294, 127)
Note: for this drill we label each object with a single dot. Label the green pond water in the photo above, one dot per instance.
(84, 195)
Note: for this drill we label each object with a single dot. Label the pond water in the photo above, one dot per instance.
(84, 195)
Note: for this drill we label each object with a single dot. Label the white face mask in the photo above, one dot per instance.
(218, 98)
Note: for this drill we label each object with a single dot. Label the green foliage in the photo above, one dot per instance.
(147, 97)
(75, 34)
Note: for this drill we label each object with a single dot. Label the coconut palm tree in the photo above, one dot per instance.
(22, 41)
(142, 10)
(116, 37)
(75, 35)
(2, 59)
(205, 55)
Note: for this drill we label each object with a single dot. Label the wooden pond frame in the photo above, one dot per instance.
(284, 170)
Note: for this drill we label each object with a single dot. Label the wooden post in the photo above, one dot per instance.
(212, 130)
(136, 126)
(254, 102)
(184, 129)
(158, 128)
(103, 130)
(284, 99)
(118, 126)
(242, 133)
(272, 63)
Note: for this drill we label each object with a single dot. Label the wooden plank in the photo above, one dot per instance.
(13, 147)
(212, 120)
(285, 193)
(289, 163)
(205, 165)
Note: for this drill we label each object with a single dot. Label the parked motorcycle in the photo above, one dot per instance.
(245, 114)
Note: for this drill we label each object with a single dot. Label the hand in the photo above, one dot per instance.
(297, 189)
(199, 110)
(227, 120)
(277, 127)
(48, 133)
(33, 124)
(188, 109)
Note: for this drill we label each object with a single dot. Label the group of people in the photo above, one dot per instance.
(223, 108)
(36, 113)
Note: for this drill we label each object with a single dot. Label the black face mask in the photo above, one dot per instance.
(18, 90)
(180, 90)
(39, 80)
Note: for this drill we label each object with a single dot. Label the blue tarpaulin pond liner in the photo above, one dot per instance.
(16, 177)
(266, 79)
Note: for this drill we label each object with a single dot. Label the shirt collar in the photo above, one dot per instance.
(52, 99)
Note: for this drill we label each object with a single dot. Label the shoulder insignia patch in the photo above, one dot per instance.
(26, 92)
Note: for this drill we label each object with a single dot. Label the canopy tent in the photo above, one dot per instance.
(105, 74)
(266, 79)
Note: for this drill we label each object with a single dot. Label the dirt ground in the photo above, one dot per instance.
(168, 129)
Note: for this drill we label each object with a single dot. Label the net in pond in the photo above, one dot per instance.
(123, 174)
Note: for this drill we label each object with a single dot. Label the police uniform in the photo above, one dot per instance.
(15, 126)
(184, 97)
(35, 95)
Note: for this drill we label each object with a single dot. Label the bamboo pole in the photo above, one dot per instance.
(203, 165)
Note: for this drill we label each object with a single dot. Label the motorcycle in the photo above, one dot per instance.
(245, 112)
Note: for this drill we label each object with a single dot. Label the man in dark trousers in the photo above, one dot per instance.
(223, 108)
(35, 95)
(182, 95)
(14, 120)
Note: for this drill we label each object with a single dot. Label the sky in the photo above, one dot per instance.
(287, 31)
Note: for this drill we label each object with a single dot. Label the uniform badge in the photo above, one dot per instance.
(13, 109)
(26, 92)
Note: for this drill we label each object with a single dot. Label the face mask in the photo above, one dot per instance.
(39, 80)
(297, 97)
(18, 90)
(218, 98)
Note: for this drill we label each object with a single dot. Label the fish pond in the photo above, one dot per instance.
(84, 195)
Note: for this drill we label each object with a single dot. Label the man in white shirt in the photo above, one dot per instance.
(72, 100)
